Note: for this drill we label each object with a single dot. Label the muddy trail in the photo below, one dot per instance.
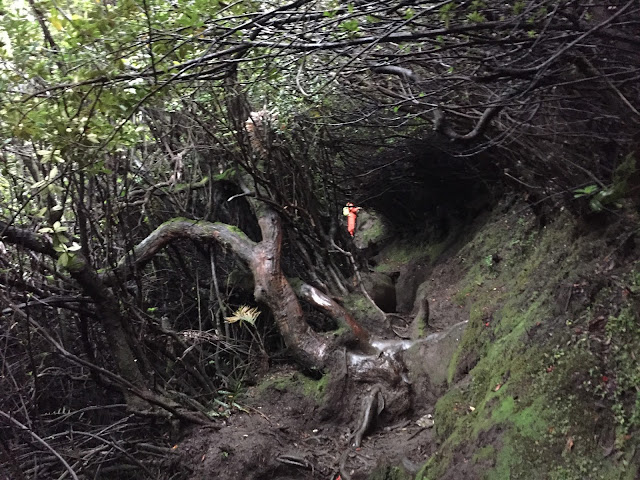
(532, 329)
(291, 426)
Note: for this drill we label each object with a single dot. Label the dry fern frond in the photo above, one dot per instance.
(245, 314)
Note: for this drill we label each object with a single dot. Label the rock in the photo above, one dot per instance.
(381, 289)
(420, 311)
(428, 360)
(371, 230)
(409, 279)
(426, 421)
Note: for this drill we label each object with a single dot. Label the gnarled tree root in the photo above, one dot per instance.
(372, 406)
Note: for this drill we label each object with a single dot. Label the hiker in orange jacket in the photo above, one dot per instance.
(352, 215)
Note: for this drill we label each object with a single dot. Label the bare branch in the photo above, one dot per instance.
(402, 72)
(326, 304)
(179, 228)
(440, 125)
(42, 442)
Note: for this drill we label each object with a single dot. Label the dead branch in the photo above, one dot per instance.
(440, 124)
(325, 303)
(402, 72)
(40, 441)
(372, 406)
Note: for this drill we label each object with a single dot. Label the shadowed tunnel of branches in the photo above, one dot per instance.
(173, 176)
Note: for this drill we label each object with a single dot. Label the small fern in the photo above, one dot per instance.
(244, 314)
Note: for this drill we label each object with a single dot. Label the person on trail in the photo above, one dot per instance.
(351, 212)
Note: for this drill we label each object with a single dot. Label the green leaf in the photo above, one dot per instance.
(63, 260)
(595, 205)
(55, 21)
(93, 138)
(445, 13)
(228, 173)
(74, 247)
(350, 25)
(582, 192)
(39, 185)
(476, 17)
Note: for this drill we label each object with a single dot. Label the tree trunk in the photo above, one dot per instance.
(111, 318)
(264, 259)
(273, 288)
(107, 306)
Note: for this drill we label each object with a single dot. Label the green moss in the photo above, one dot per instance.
(359, 306)
(233, 229)
(420, 324)
(315, 389)
(435, 467)
(375, 231)
(623, 335)
(505, 460)
(529, 388)
(178, 219)
(296, 382)
(276, 382)
(401, 253)
(449, 409)
(390, 473)
(469, 348)
(543, 395)
(412, 251)
(485, 453)
(434, 250)
(531, 422)
(504, 411)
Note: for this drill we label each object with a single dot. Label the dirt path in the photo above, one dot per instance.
(285, 434)
(282, 438)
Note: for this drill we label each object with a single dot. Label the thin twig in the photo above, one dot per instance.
(42, 442)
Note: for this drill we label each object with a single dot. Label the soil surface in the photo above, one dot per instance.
(285, 434)
(540, 292)
(282, 437)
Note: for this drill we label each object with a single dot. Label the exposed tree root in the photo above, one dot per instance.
(329, 306)
(372, 406)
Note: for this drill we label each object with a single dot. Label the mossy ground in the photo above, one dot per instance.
(390, 473)
(411, 250)
(532, 392)
(296, 383)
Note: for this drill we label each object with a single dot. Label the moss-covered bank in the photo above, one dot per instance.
(546, 382)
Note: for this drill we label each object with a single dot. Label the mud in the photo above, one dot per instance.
(285, 434)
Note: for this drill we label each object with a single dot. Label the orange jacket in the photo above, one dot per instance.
(351, 218)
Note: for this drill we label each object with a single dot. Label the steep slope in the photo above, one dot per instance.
(545, 381)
